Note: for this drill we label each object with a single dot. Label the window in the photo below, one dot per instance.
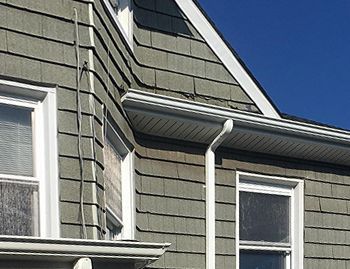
(28, 165)
(122, 13)
(119, 186)
(270, 222)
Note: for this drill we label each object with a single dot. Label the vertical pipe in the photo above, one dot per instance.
(210, 192)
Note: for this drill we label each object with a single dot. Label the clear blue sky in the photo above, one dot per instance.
(298, 50)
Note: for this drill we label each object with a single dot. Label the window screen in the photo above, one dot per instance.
(113, 179)
(16, 146)
(264, 217)
(19, 208)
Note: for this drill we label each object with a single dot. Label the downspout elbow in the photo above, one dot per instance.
(226, 130)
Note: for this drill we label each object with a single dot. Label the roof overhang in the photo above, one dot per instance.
(70, 250)
(174, 118)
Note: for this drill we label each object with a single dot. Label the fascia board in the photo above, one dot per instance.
(225, 54)
(179, 108)
(66, 249)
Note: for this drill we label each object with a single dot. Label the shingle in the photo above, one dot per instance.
(68, 146)
(23, 21)
(318, 251)
(225, 246)
(225, 194)
(218, 72)
(341, 252)
(201, 50)
(239, 95)
(198, 68)
(318, 188)
(341, 191)
(149, 4)
(24, 68)
(333, 206)
(70, 213)
(225, 212)
(225, 229)
(152, 185)
(3, 40)
(312, 203)
(70, 188)
(179, 63)
(225, 177)
(163, 22)
(143, 36)
(168, 7)
(183, 45)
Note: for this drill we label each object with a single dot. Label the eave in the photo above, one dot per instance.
(69, 250)
(174, 118)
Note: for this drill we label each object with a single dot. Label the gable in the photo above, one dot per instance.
(175, 59)
(236, 68)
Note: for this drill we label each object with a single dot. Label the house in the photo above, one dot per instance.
(132, 136)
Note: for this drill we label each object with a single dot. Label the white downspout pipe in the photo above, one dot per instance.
(210, 192)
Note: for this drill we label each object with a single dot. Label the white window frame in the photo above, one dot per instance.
(45, 154)
(125, 21)
(282, 186)
(128, 184)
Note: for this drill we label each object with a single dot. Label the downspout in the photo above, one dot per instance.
(210, 192)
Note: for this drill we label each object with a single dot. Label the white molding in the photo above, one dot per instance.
(128, 186)
(295, 260)
(127, 33)
(225, 54)
(210, 193)
(44, 145)
(136, 100)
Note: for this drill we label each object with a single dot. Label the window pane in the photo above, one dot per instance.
(261, 260)
(113, 179)
(16, 152)
(18, 208)
(264, 217)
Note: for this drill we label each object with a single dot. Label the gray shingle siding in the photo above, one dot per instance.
(50, 58)
(170, 201)
(171, 58)
(177, 60)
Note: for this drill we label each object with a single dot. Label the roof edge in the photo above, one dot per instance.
(215, 115)
(228, 56)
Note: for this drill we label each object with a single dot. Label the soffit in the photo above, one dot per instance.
(182, 120)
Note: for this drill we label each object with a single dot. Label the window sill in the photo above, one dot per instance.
(67, 250)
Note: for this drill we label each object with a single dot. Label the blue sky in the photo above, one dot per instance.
(298, 50)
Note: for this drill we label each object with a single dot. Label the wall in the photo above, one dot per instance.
(37, 45)
(176, 61)
(171, 205)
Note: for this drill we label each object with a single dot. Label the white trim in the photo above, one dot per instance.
(45, 154)
(263, 183)
(68, 250)
(136, 100)
(128, 185)
(225, 54)
(127, 33)
(210, 192)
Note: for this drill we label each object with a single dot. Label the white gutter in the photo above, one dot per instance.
(74, 249)
(136, 100)
(210, 192)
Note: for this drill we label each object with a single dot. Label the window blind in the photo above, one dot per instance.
(16, 146)
(113, 179)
